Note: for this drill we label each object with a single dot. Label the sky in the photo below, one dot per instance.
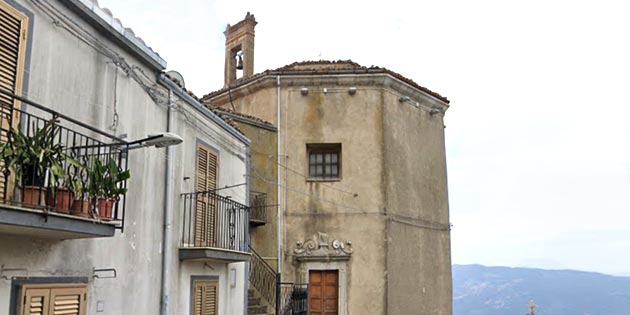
(538, 133)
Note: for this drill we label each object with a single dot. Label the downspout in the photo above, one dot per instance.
(168, 216)
(279, 219)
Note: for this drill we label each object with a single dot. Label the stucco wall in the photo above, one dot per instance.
(393, 167)
(74, 79)
(232, 165)
(331, 207)
(264, 169)
(418, 263)
(69, 76)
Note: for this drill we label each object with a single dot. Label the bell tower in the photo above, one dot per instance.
(239, 49)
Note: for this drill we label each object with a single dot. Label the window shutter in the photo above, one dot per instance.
(13, 26)
(210, 302)
(67, 301)
(53, 299)
(205, 298)
(206, 180)
(35, 302)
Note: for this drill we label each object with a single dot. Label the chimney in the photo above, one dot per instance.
(239, 43)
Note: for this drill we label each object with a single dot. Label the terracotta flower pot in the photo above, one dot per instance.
(81, 208)
(104, 206)
(62, 202)
(34, 195)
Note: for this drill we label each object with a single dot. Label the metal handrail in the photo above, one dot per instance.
(79, 141)
(62, 116)
(263, 277)
(214, 221)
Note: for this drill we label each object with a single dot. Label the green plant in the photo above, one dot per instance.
(76, 185)
(105, 179)
(32, 157)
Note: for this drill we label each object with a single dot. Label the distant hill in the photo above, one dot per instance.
(480, 290)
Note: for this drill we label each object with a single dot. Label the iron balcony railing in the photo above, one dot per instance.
(258, 206)
(72, 170)
(293, 299)
(214, 221)
(262, 277)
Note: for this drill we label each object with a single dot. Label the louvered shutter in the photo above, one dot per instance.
(13, 27)
(35, 302)
(205, 214)
(67, 301)
(205, 298)
(210, 302)
(53, 299)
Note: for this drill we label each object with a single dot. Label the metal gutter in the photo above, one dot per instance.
(202, 109)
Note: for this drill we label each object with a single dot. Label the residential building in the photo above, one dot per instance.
(176, 238)
(361, 182)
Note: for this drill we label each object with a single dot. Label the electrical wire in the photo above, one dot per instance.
(356, 211)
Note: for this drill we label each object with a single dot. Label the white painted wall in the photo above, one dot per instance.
(71, 77)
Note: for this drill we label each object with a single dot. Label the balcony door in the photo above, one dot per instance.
(206, 205)
(12, 55)
(323, 297)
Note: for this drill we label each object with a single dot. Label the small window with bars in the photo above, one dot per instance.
(324, 161)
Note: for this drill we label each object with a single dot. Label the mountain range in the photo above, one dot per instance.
(481, 290)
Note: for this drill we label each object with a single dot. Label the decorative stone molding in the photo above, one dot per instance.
(317, 248)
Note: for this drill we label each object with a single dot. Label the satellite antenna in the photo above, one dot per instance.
(177, 76)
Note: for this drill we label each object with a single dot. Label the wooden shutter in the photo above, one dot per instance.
(205, 297)
(206, 181)
(67, 301)
(35, 302)
(13, 31)
(53, 299)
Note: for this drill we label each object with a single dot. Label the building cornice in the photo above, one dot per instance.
(299, 80)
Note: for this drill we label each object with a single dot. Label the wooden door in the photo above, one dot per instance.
(323, 292)
(205, 212)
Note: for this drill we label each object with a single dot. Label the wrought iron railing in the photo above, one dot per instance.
(65, 178)
(262, 277)
(214, 221)
(258, 206)
(293, 299)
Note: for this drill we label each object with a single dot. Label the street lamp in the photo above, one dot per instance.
(158, 140)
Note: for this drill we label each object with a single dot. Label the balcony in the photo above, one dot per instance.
(59, 178)
(258, 209)
(213, 228)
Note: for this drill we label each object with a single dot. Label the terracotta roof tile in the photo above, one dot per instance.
(235, 113)
(327, 67)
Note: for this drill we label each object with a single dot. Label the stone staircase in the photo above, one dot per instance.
(256, 305)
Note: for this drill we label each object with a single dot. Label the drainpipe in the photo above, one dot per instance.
(167, 249)
(279, 220)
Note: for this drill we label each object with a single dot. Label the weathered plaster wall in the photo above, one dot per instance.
(418, 263)
(194, 128)
(332, 207)
(264, 169)
(73, 78)
(392, 159)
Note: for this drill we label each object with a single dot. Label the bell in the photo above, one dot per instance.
(239, 63)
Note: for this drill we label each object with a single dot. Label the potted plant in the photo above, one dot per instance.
(33, 158)
(105, 188)
(81, 204)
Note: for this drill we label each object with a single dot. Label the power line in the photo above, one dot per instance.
(424, 223)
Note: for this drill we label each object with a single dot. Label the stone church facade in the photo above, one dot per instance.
(361, 181)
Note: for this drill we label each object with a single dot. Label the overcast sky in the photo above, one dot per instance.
(538, 133)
